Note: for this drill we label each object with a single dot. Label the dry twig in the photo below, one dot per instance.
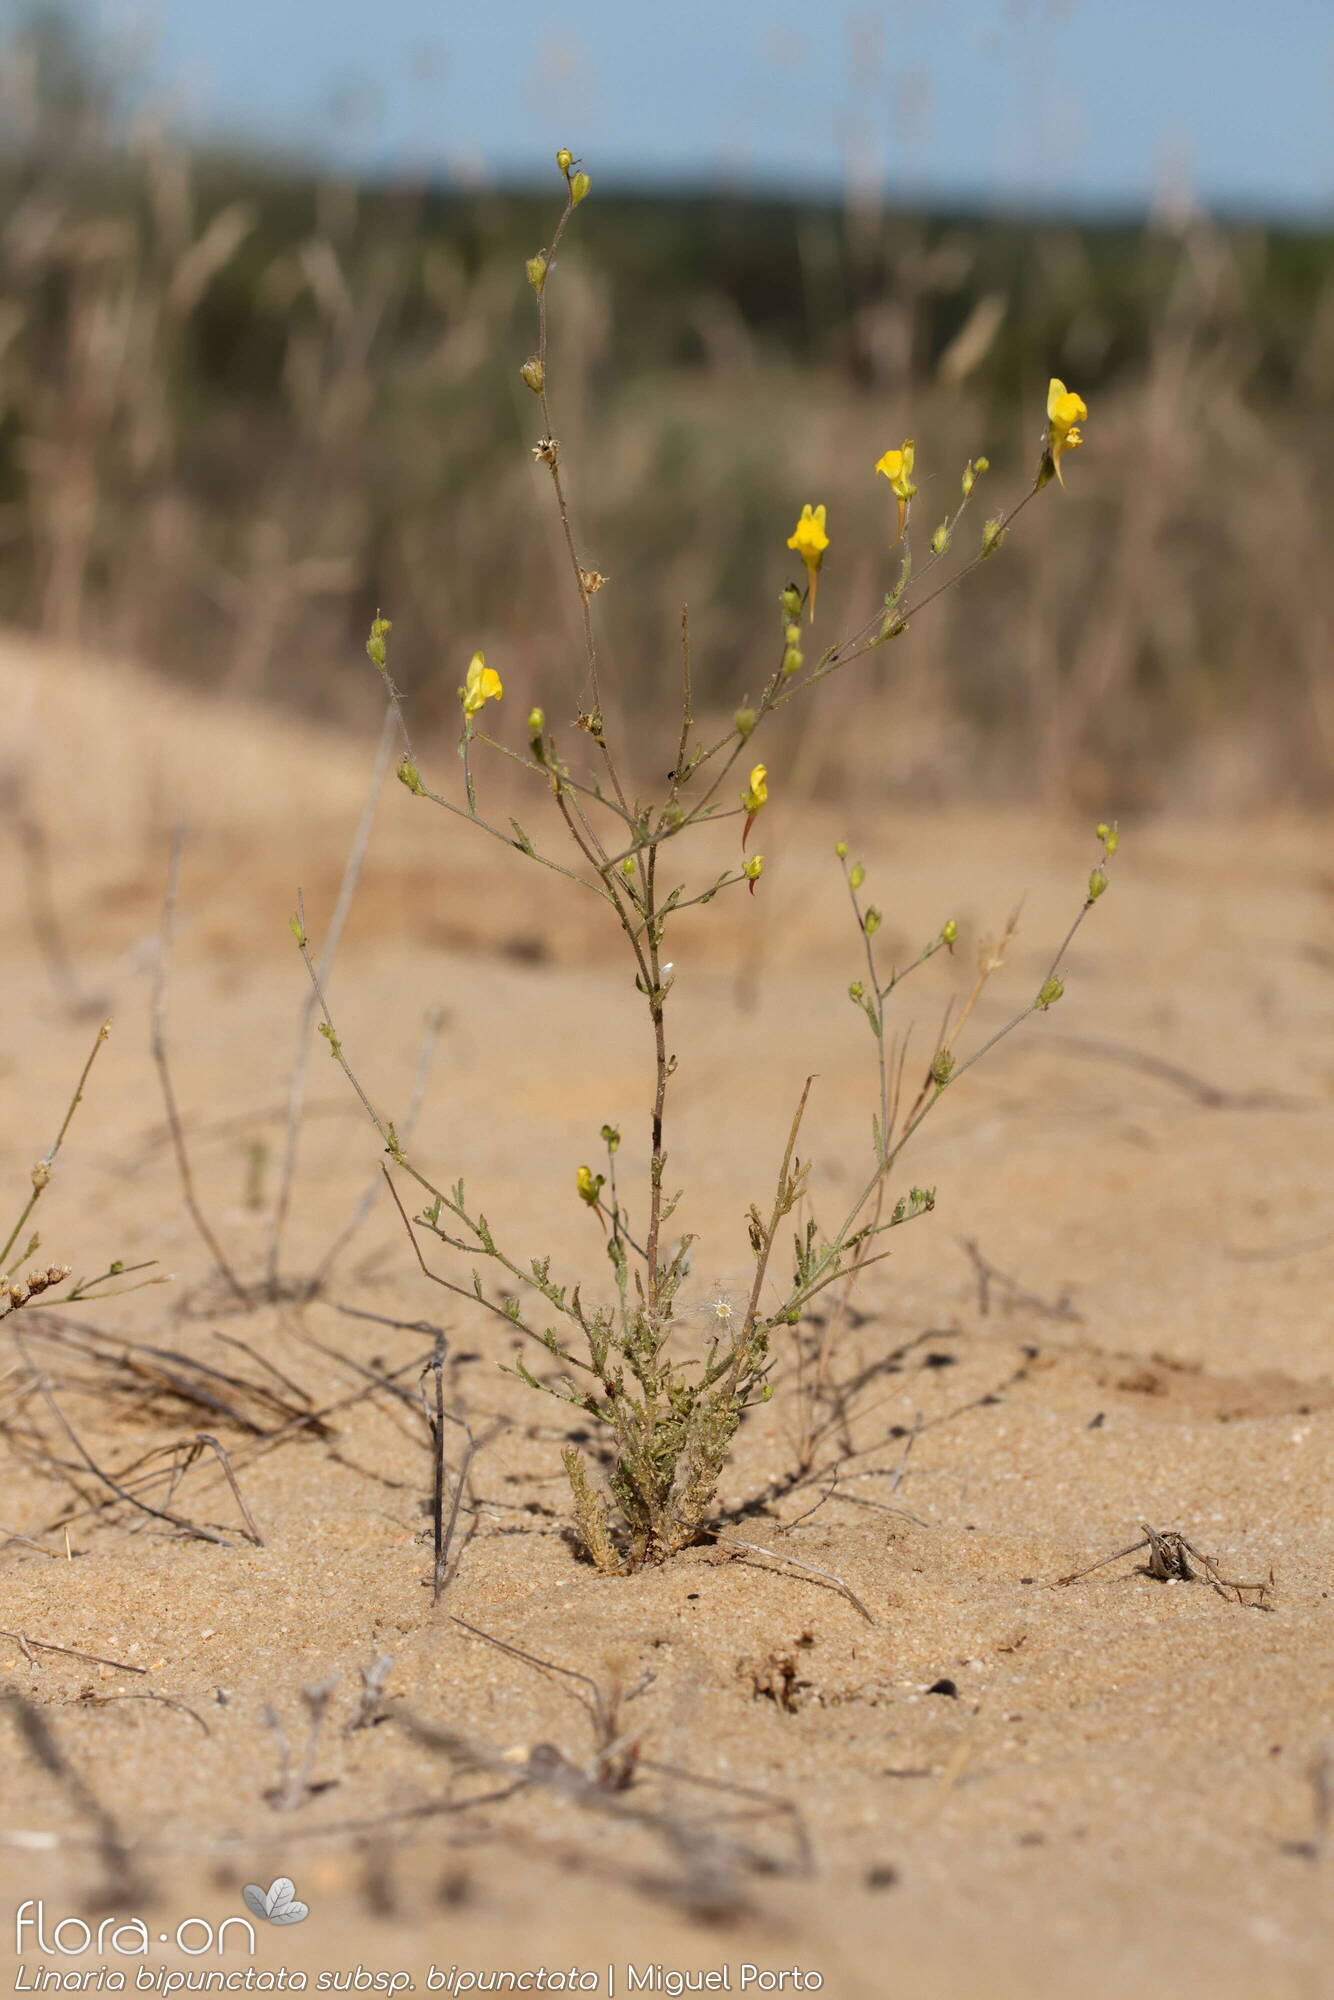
(1174, 1559)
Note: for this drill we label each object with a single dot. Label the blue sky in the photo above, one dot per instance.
(1094, 102)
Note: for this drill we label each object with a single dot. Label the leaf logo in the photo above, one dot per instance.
(277, 1904)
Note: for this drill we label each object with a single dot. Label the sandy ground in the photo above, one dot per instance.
(1122, 1796)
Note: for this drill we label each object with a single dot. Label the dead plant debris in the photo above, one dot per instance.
(1174, 1559)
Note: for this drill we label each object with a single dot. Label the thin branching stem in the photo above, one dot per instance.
(41, 1175)
(347, 889)
(158, 1044)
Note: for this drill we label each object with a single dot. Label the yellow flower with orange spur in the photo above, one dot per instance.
(810, 541)
(590, 1186)
(482, 685)
(897, 468)
(1065, 413)
(754, 799)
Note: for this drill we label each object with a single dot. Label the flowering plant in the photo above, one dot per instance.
(670, 1416)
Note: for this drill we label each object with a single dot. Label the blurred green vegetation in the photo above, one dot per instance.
(242, 406)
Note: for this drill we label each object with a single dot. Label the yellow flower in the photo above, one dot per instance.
(1065, 413)
(590, 1185)
(483, 685)
(755, 796)
(810, 541)
(897, 468)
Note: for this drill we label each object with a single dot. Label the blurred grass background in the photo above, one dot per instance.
(244, 405)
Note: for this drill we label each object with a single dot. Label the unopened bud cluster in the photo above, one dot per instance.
(579, 183)
(376, 651)
(793, 657)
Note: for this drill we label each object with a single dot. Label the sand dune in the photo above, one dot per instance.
(1117, 1796)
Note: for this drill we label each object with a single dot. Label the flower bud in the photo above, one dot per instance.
(610, 1138)
(940, 541)
(793, 662)
(754, 868)
(872, 921)
(791, 601)
(744, 720)
(579, 187)
(857, 991)
(298, 930)
(981, 465)
(992, 537)
(409, 775)
(841, 849)
(792, 635)
(942, 1068)
(537, 722)
(565, 159)
(628, 866)
(534, 374)
(969, 479)
(1051, 992)
(857, 875)
(1097, 884)
(536, 267)
(948, 932)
